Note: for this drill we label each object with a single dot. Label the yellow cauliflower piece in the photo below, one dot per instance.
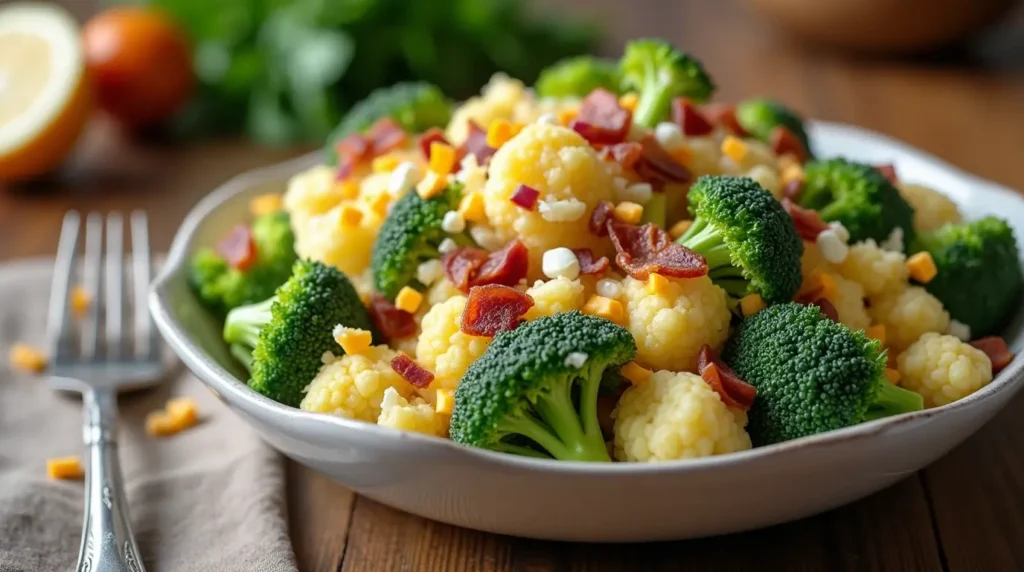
(502, 98)
(311, 192)
(676, 416)
(849, 303)
(671, 326)
(353, 386)
(907, 315)
(554, 297)
(812, 260)
(347, 247)
(419, 416)
(442, 290)
(943, 369)
(932, 209)
(879, 271)
(705, 155)
(443, 348)
(561, 165)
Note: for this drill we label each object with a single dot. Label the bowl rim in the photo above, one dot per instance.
(238, 393)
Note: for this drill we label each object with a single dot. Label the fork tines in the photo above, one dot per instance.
(112, 295)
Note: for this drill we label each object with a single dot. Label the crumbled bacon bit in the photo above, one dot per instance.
(476, 144)
(411, 371)
(601, 120)
(724, 114)
(827, 309)
(646, 249)
(808, 223)
(996, 350)
(626, 154)
(492, 309)
(506, 266)
(525, 196)
(588, 264)
(691, 121)
(385, 135)
(391, 322)
(461, 264)
(793, 189)
(432, 135)
(657, 167)
(783, 141)
(353, 146)
(469, 266)
(598, 224)
(888, 171)
(238, 248)
(734, 391)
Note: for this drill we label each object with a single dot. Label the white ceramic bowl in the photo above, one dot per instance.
(445, 481)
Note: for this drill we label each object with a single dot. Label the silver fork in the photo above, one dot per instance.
(125, 356)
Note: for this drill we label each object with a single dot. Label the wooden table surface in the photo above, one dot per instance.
(965, 512)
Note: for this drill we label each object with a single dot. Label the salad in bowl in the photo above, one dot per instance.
(607, 266)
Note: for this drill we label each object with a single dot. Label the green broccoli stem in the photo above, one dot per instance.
(559, 430)
(520, 450)
(243, 324)
(707, 241)
(892, 400)
(243, 354)
(654, 104)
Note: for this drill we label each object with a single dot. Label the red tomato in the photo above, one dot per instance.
(140, 62)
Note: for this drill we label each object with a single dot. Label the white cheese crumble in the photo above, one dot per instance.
(669, 135)
(447, 245)
(609, 288)
(404, 177)
(560, 262)
(547, 119)
(840, 230)
(895, 241)
(639, 193)
(429, 272)
(832, 248)
(453, 223)
(959, 330)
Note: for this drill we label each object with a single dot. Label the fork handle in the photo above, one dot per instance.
(108, 544)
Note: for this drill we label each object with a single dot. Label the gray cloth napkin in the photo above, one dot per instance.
(208, 499)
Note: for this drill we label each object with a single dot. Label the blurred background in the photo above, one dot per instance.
(191, 92)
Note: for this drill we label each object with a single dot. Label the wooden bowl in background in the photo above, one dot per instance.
(884, 26)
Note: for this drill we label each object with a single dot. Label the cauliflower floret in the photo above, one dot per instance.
(419, 416)
(849, 303)
(676, 416)
(353, 386)
(442, 290)
(878, 271)
(932, 209)
(345, 246)
(554, 296)
(311, 192)
(812, 259)
(443, 347)
(943, 369)
(561, 165)
(705, 155)
(907, 315)
(671, 326)
(502, 98)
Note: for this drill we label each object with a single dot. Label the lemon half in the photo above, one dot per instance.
(45, 100)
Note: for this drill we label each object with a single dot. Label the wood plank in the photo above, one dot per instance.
(318, 518)
(977, 494)
(889, 531)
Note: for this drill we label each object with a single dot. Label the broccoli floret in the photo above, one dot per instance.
(858, 196)
(577, 77)
(523, 387)
(659, 73)
(411, 234)
(979, 273)
(288, 334)
(812, 374)
(221, 287)
(746, 237)
(760, 115)
(416, 106)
